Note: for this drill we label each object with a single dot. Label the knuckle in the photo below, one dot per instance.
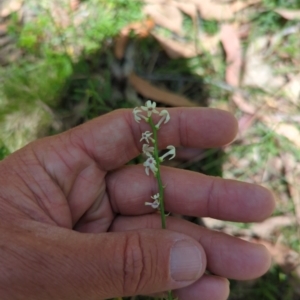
(137, 265)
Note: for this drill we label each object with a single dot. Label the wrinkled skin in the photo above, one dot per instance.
(73, 224)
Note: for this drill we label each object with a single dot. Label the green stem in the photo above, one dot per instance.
(160, 184)
(170, 297)
(158, 176)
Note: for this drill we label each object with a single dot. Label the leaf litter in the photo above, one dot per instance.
(248, 68)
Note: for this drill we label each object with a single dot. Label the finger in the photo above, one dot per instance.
(227, 256)
(46, 262)
(72, 165)
(189, 193)
(114, 139)
(208, 287)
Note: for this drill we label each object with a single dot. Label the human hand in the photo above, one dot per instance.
(74, 224)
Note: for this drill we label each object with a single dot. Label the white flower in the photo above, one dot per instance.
(148, 150)
(165, 118)
(147, 135)
(172, 152)
(155, 197)
(150, 164)
(138, 116)
(154, 204)
(150, 108)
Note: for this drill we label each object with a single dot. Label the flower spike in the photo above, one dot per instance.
(153, 161)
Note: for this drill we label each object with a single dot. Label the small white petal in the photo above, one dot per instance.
(145, 136)
(165, 117)
(153, 169)
(150, 108)
(154, 204)
(149, 104)
(148, 150)
(150, 163)
(171, 152)
(137, 118)
(156, 196)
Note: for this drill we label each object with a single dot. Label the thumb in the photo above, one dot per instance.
(149, 261)
(57, 263)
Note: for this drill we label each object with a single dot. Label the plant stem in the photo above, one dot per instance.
(160, 184)
(170, 297)
(158, 176)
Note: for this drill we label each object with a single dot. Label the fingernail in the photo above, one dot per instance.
(186, 261)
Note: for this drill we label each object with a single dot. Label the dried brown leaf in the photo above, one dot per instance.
(243, 104)
(233, 50)
(142, 29)
(222, 1)
(9, 7)
(240, 5)
(189, 9)
(245, 122)
(244, 30)
(285, 257)
(213, 223)
(289, 131)
(292, 89)
(149, 91)
(292, 177)
(74, 4)
(210, 9)
(165, 15)
(265, 229)
(288, 14)
(176, 49)
(120, 45)
(257, 71)
(156, 1)
(3, 28)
